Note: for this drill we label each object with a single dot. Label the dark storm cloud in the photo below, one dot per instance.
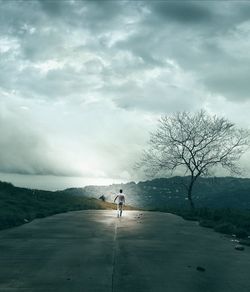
(54, 7)
(202, 37)
(158, 30)
(233, 83)
(14, 14)
(183, 11)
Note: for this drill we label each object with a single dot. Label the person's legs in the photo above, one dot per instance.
(121, 207)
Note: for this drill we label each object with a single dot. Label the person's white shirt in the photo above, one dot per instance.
(120, 198)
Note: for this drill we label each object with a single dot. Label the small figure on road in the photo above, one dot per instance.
(120, 202)
(102, 197)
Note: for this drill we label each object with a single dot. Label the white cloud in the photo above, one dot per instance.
(48, 65)
(8, 44)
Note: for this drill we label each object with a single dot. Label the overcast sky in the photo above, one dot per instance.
(83, 82)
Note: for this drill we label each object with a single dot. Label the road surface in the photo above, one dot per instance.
(143, 251)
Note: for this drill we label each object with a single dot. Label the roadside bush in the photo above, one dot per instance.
(227, 221)
(207, 223)
(245, 241)
(226, 228)
(241, 233)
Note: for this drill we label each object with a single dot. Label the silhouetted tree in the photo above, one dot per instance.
(195, 144)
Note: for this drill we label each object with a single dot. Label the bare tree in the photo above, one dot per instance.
(194, 144)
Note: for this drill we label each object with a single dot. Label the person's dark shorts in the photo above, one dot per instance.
(120, 204)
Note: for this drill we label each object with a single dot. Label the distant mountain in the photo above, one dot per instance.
(219, 192)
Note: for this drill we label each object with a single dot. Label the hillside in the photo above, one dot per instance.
(21, 205)
(221, 192)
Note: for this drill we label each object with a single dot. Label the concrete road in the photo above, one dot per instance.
(95, 251)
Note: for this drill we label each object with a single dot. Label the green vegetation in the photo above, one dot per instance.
(228, 221)
(214, 193)
(19, 205)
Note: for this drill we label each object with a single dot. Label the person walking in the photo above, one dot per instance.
(120, 203)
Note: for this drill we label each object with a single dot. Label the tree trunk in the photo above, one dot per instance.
(190, 188)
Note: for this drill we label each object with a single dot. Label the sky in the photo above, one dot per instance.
(82, 83)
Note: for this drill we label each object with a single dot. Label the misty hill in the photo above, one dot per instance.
(220, 192)
(21, 205)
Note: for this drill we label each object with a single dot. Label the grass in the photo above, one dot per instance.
(227, 221)
(19, 206)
